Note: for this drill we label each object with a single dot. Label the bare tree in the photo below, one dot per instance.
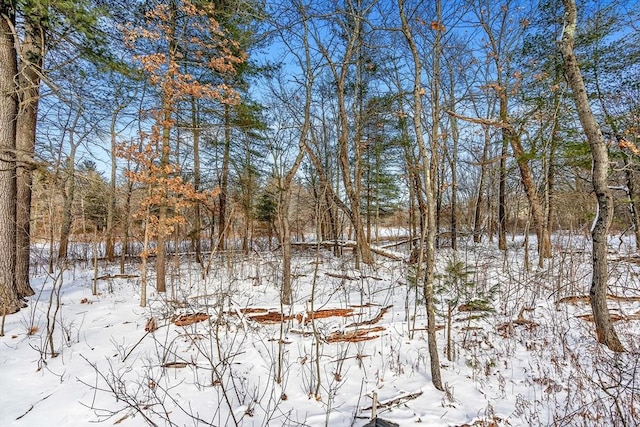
(605, 331)
(285, 177)
(428, 232)
(352, 24)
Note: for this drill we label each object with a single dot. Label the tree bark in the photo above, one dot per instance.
(29, 83)
(605, 331)
(9, 301)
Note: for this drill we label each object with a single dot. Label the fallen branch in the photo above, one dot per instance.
(354, 336)
(347, 277)
(373, 321)
(395, 401)
(117, 276)
(615, 317)
(176, 365)
(270, 317)
(573, 299)
(351, 244)
(326, 244)
(341, 276)
(387, 253)
(398, 243)
(632, 259)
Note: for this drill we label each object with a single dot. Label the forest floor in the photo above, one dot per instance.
(517, 344)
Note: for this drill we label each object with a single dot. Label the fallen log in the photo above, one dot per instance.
(351, 244)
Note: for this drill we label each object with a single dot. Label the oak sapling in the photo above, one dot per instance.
(175, 35)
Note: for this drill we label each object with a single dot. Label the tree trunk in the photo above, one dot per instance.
(29, 96)
(477, 218)
(632, 192)
(455, 136)
(161, 248)
(9, 301)
(634, 198)
(502, 195)
(539, 222)
(551, 176)
(68, 194)
(605, 331)
(428, 232)
(197, 232)
(285, 182)
(111, 203)
(125, 225)
(166, 123)
(350, 167)
(224, 181)
(350, 185)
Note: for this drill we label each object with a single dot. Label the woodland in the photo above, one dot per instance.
(320, 213)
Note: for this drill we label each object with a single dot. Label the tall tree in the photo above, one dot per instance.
(239, 19)
(43, 25)
(352, 25)
(428, 223)
(502, 33)
(175, 33)
(30, 70)
(605, 331)
(285, 171)
(9, 296)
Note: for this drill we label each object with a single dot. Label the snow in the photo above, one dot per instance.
(222, 371)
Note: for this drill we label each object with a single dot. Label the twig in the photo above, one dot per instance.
(137, 344)
(32, 406)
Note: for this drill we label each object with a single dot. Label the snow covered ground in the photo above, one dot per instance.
(218, 353)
